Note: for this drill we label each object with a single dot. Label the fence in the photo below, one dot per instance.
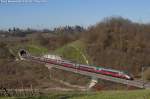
(19, 92)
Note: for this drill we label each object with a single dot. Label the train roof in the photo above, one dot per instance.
(109, 69)
(104, 68)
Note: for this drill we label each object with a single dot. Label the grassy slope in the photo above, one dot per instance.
(74, 51)
(34, 49)
(13, 71)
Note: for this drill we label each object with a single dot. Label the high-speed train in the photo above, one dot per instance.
(94, 69)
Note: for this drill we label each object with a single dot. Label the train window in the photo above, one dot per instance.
(77, 65)
(59, 62)
(100, 68)
(97, 68)
(113, 72)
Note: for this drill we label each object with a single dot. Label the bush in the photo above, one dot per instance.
(4, 51)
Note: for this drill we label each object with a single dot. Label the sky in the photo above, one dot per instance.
(54, 13)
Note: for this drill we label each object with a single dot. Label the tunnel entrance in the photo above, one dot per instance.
(23, 53)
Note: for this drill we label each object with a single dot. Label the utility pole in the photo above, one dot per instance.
(142, 73)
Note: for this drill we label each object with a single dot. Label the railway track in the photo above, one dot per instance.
(134, 83)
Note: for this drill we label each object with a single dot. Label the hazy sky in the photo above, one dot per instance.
(70, 12)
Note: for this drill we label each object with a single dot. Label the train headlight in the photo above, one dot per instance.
(127, 76)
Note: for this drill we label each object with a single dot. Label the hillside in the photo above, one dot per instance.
(24, 74)
(120, 44)
(15, 73)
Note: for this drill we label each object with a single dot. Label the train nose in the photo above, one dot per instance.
(23, 53)
(128, 77)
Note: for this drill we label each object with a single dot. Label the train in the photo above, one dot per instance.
(89, 68)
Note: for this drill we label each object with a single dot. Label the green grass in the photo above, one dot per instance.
(51, 95)
(32, 48)
(38, 50)
(74, 51)
(136, 94)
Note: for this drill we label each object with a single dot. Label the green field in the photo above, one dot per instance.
(136, 94)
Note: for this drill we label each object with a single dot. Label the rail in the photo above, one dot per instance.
(100, 76)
